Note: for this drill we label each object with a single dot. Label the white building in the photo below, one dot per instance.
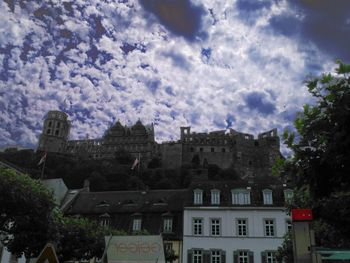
(234, 222)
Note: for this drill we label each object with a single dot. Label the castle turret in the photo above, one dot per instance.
(55, 132)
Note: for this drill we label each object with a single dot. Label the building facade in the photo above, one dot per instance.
(154, 212)
(137, 139)
(234, 222)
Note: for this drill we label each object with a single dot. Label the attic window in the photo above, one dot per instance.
(104, 220)
(215, 197)
(267, 194)
(129, 202)
(160, 202)
(240, 197)
(197, 196)
(103, 204)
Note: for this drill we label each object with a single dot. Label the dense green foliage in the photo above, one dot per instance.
(320, 166)
(25, 213)
(113, 174)
(29, 219)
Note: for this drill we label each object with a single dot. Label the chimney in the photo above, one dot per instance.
(86, 186)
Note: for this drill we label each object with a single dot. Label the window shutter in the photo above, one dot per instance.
(263, 257)
(189, 256)
(223, 256)
(235, 256)
(206, 256)
(251, 257)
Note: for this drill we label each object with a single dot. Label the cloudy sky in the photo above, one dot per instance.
(208, 64)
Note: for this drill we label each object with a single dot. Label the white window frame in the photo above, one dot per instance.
(243, 256)
(197, 226)
(197, 256)
(215, 197)
(168, 224)
(104, 221)
(269, 226)
(240, 197)
(270, 257)
(136, 224)
(268, 198)
(240, 225)
(215, 256)
(198, 196)
(215, 226)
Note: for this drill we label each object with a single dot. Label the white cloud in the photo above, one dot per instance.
(244, 58)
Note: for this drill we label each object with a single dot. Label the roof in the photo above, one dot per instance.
(128, 202)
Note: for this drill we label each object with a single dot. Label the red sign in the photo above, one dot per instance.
(303, 214)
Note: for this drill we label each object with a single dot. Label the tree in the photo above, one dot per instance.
(25, 213)
(321, 162)
(78, 238)
(29, 219)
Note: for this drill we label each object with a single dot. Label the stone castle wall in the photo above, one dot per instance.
(249, 156)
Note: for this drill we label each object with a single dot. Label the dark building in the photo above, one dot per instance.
(156, 212)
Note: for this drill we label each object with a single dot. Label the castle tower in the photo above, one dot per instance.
(55, 132)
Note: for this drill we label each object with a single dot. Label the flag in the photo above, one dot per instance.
(43, 159)
(136, 162)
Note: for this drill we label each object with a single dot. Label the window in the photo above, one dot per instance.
(215, 256)
(270, 257)
(288, 196)
(197, 256)
(58, 125)
(136, 224)
(198, 197)
(212, 150)
(215, 227)
(242, 227)
(168, 225)
(269, 226)
(50, 123)
(191, 150)
(197, 226)
(104, 222)
(56, 132)
(267, 194)
(288, 225)
(48, 131)
(223, 150)
(240, 197)
(215, 197)
(201, 149)
(243, 257)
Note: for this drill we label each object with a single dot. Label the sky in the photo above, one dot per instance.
(208, 64)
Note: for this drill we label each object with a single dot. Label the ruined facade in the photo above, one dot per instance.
(248, 156)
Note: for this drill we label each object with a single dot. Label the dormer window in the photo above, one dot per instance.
(267, 195)
(288, 196)
(240, 197)
(136, 224)
(215, 197)
(198, 196)
(104, 220)
(168, 224)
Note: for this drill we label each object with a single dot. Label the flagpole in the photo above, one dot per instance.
(138, 167)
(42, 170)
